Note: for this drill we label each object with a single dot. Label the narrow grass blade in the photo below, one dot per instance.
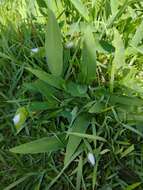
(81, 8)
(67, 164)
(132, 129)
(47, 144)
(127, 151)
(79, 173)
(138, 36)
(133, 186)
(17, 182)
(92, 137)
(53, 45)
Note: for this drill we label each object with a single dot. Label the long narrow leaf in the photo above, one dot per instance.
(53, 45)
(46, 144)
(138, 35)
(88, 64)
(81, 8)
(80, 125)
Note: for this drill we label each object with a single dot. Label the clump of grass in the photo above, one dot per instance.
(71, 82)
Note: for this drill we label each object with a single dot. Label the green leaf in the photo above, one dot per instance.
(91, 137)
(133, 186)
(38, 106)
(116, 16)
(127, 151)
(133, 130)
(81, 8)
(80, 125)
(53, 45)
(119, 57)
(97, 108)
(54, 81)
(125, 100)
(45, 89)
(76, 90)
(88, 64)
(46, 144)
(41, 3)
(138, 36)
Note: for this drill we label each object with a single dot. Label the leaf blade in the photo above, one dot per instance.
(80, 125)
(88, 64)
(46, 144)
(53, 45)
(81, 8)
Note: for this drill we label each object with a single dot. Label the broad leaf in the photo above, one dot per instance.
(53, 45)
(88, 64)
(79, 126)
(46, 144)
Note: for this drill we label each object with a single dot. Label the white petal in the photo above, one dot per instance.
(35, 50)
(91, 158)
(69, 45)
(16, 119)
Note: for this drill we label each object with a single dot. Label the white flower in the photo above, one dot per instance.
(35, 50)
(91, 158)
(16, 119)
(69, 45)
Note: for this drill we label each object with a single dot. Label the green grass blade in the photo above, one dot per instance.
(128, 151)
(79, 173)
(132, 129)
(46, 144)
(17, 182)
(133, 186)
(81, 8)
(80, 125)
(138, 36)
(91, 137)
(53, 45)
(119, 57)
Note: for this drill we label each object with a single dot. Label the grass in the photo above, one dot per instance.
(81, 93)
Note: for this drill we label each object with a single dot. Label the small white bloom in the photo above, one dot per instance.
(16, 119)
(35, 50)
(91, 158)
(69, 45)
